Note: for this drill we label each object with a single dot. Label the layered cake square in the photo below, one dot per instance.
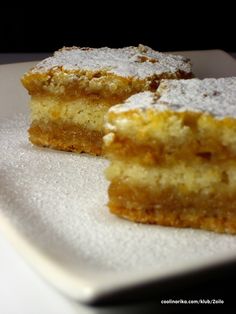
(173, 155)
(72, 90)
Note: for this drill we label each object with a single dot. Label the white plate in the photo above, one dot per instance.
(53, 209)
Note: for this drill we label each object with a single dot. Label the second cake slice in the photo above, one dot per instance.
(71, 91)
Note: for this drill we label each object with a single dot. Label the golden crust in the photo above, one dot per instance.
(71, 84)
(156, 136)
(104, 71)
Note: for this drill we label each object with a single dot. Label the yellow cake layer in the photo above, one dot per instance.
(184, 176)
(84, 111)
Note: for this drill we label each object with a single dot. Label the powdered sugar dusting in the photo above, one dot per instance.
(57, 200)
(213, 96)
(140, 61)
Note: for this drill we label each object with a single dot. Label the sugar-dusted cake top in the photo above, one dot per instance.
(141, 61)
(214, 96)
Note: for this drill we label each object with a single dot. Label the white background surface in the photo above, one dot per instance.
(23, 291)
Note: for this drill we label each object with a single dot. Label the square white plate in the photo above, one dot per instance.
(53, 209)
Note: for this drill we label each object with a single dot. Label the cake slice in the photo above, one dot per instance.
(173, 155)
(71, 91)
